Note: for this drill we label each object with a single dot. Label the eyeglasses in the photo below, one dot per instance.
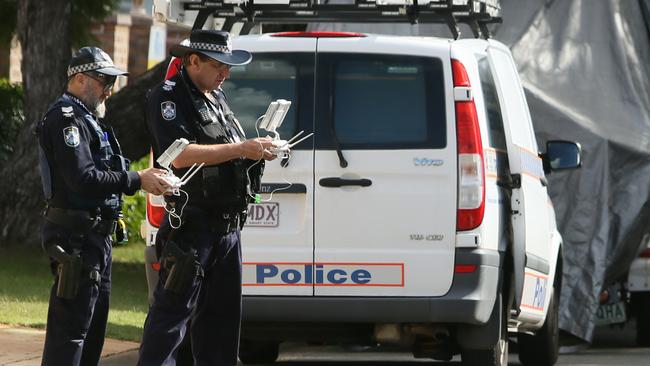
(107, 81)
(216, 64)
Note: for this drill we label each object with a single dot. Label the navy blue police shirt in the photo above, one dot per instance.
(70, 136)
(171, 114)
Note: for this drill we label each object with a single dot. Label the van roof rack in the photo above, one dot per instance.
(475, 13)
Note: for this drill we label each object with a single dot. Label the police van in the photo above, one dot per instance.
(417, 215)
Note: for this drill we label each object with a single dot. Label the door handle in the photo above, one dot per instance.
(333, 182)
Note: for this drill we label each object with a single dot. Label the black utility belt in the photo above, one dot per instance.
(218, 220)
(80, 221)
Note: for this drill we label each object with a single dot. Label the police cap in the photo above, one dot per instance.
(93, 59)
(215, 44)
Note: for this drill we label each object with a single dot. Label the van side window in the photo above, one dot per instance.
(252, 87)
(492, 110)
(387, 101)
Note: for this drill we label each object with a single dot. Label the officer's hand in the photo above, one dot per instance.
(152, 182)
(257, 148)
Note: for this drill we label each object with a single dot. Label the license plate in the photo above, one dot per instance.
(265, 214)
(610, 314)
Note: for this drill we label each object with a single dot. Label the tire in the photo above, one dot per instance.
(542, 348)
(642, 302)
(498, 355)
(252, 352)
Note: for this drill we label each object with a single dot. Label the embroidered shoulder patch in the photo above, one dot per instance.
(71, 136)
(68, 111)
(169, 85)
(168, 110)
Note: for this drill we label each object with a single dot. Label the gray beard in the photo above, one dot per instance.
(100, 110)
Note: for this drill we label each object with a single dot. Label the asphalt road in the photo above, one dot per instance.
(611, 346)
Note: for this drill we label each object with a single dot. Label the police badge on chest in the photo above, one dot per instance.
(168, 110)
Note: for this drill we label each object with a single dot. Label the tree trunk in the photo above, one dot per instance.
(125, 112)
(43, 32)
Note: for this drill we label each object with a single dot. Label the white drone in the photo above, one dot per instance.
(165, 160)
(272, 120)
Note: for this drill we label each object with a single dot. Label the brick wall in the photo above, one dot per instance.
(139, 44)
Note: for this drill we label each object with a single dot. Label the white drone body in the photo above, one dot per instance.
(165, 160)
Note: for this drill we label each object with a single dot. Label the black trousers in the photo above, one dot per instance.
(76, 328)
(212, 304)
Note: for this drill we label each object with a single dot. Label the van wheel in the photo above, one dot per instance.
(498, 355)
(251, 352)
(541, 349)
(642, 302)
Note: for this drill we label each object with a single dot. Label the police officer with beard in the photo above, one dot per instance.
(200, 254)
(84, 176)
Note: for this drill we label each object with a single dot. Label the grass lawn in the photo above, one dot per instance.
(25, 282)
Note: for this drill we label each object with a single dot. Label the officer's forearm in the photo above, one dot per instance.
(97, 183)
(208, 154)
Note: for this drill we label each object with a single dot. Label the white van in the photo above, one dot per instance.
(418, 215)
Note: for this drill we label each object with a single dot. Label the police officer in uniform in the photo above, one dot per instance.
(83, 177)
(200, 254)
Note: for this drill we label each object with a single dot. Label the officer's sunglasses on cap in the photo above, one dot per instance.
(106, 80)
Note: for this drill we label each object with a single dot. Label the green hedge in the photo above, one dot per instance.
(134, 206)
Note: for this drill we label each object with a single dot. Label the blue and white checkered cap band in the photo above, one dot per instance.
(212, 47)
(88, 67)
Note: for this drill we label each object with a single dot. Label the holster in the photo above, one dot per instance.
(68, 270)
(183, 267)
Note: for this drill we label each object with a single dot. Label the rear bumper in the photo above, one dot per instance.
(470, 300)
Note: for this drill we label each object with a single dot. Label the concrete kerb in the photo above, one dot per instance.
(24, 346)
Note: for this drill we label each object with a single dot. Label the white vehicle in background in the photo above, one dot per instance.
(629, 297)
(418, 214)
(638, 284)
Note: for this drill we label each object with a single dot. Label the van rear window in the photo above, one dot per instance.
(387, 101)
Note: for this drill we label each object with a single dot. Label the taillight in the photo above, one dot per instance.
(155, 213)
(645, 253)
(172, 69)
(465, 268)
(155, 204)
(471, 175)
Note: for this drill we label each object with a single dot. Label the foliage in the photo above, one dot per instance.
(26, 281)
(134, 206)
(7, 20)
(11, 117)
(84, 14)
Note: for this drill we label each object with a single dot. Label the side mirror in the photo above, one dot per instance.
(561, 155)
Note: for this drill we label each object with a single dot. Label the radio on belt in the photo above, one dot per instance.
(165, 160)
(272, 120)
